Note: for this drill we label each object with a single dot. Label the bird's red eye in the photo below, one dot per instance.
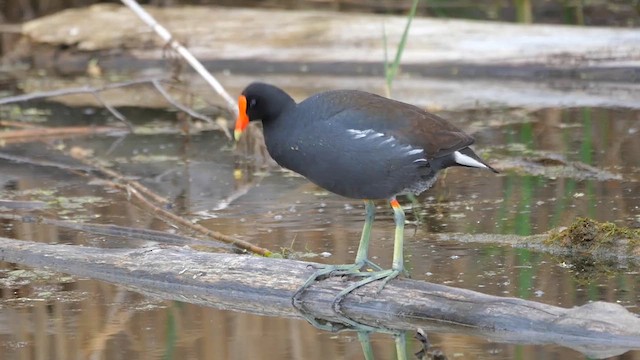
(252, 103)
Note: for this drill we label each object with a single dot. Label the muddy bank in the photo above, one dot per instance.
(258, 40)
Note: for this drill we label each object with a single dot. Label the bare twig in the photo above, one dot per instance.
(156, 83)
(115, 145)
(95, 91)
(117, 114)
(69, 91)
(171, 217)
(175, 45)
(143, 194)
(121, 178)
(18, 124)
(140, 192)
(58, 131)
(194, 114)
(40, 162)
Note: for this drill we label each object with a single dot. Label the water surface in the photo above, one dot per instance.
(54, 316)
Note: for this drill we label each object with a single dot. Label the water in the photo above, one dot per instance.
(53, 316)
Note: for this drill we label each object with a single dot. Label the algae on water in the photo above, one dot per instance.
(590, 235)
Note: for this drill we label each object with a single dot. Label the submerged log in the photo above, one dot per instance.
(264, 286)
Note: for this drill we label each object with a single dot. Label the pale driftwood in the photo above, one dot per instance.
(182, 51)
(264, 286)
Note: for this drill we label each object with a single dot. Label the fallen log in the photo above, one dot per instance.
(264, 286)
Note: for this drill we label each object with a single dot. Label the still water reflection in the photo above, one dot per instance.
(53, 316)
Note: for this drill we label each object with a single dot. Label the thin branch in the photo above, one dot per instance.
(69, 91)
(115, 145)
(171, 217)
(140, 192)
(95, 91)
(18, 124)
(136, 190)
(118, 115)
(45, 163)
(58, 131)
(121, 178)
(192, 113)
(175, 45)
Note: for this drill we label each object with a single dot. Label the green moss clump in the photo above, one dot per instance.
(589, 235)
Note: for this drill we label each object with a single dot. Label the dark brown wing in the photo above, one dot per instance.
(407, 123)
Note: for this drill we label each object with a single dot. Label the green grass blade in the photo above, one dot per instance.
(392, 69)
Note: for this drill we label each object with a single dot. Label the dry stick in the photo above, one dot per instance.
(136, 189)
(69, 91)
(83, 90)
(115, 175)
(169, 216)
(192, 113)
(95, 91)
(113, 110)
(200, 69)
(18, 124)
(46, 132)
(188, 110)
(79, 90)
(182, 51)
(45, 163)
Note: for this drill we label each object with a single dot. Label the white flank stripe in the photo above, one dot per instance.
(414, 152)
(359, 134)
(390, 139)
(463, 159)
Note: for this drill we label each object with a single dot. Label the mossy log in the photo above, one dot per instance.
(264, 286)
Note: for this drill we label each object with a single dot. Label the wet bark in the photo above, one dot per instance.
(264, 286)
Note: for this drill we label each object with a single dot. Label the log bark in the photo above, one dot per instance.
(264, 286)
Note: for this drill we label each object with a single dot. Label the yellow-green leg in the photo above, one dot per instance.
(365, 341)
(397, 266)
(401, 346)
(362, 256)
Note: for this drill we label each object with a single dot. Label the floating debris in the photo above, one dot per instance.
(589, 235)
(554, 166)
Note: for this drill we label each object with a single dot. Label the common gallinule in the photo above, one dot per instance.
(358, 145)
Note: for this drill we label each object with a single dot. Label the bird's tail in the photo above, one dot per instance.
(466, 157)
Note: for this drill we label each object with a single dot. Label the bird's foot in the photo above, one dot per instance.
(353, 270)
(326, 271)
(328, 326)
(384, 275)
(372, 265)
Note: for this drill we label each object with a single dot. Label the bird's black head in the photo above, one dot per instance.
(260, 101)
